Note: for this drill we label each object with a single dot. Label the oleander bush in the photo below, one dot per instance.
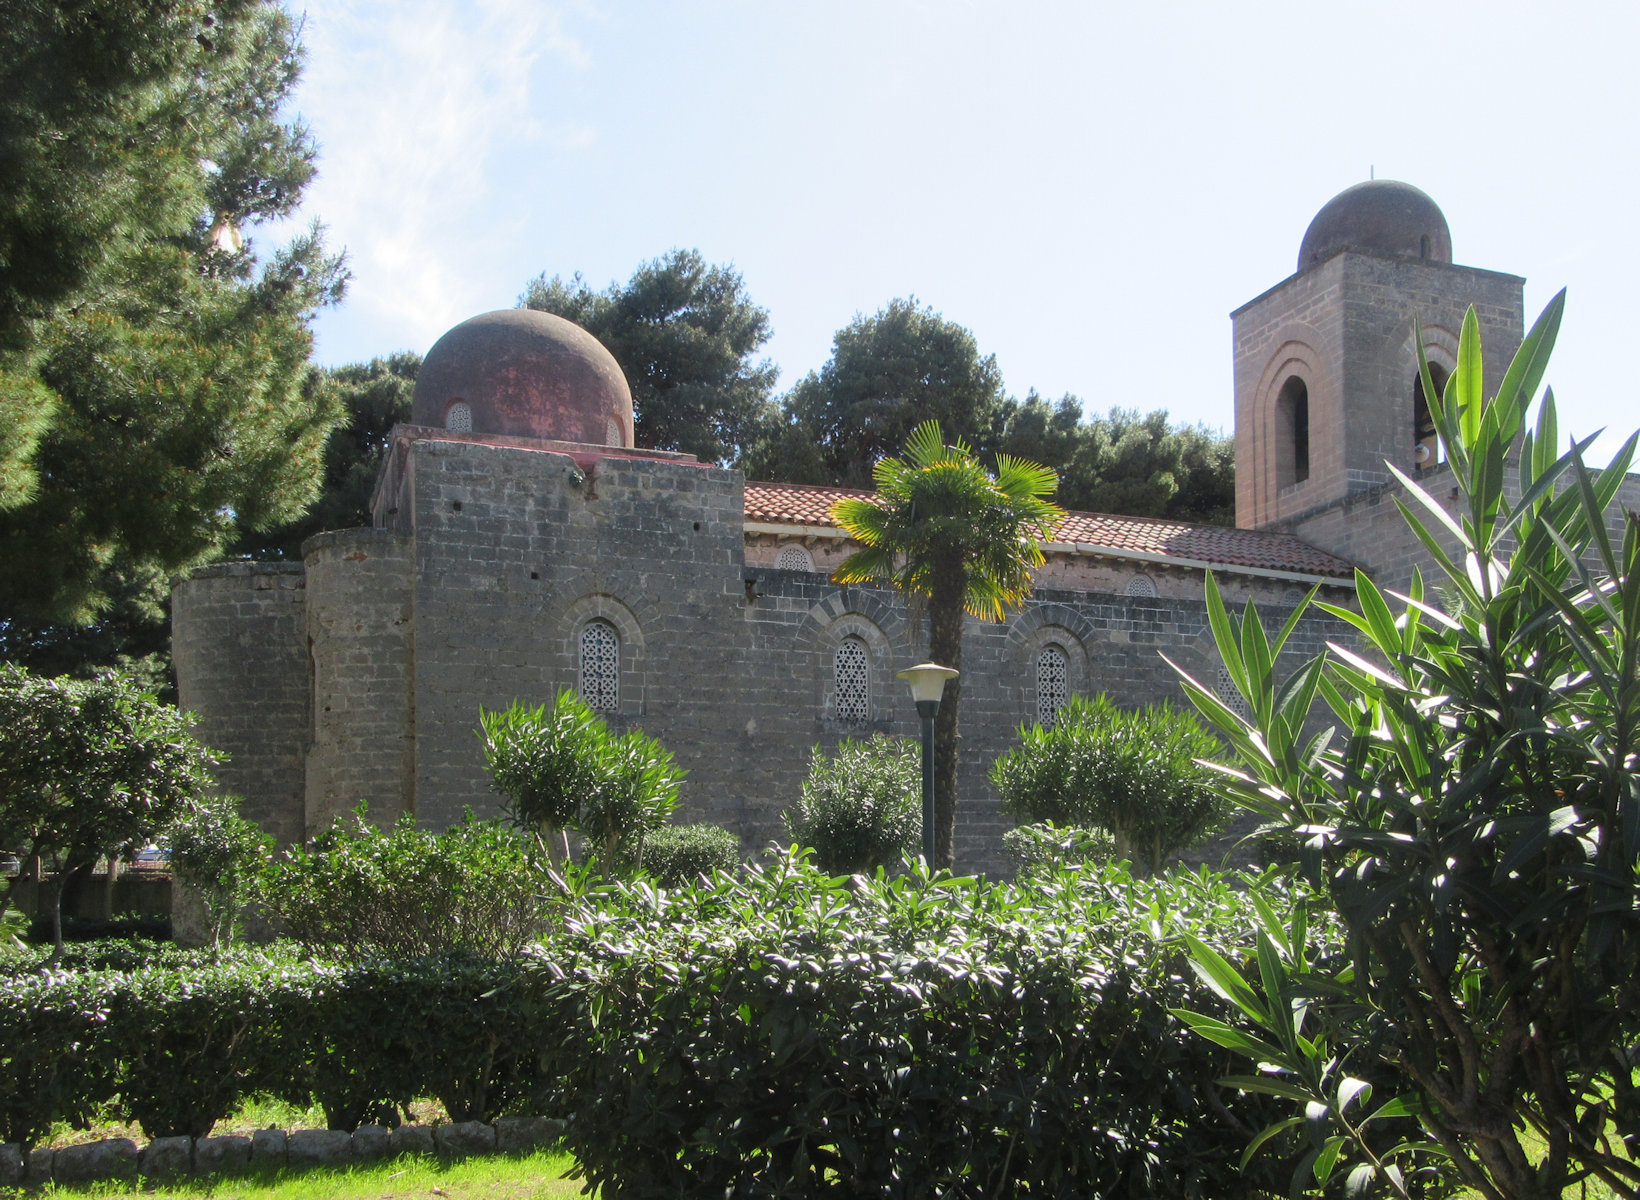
(860, 808)
(1137, 773)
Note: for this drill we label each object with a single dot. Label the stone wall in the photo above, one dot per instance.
(241, 652)
(360, 626)
(503, 555)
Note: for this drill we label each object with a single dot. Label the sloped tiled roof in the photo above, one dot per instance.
(803, 504)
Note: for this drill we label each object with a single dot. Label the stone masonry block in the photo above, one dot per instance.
(514, 1135)
(227, 1155)
(371, 1142)
(40, 1164)
(411, 1139)
(110, 1158)
(168, 1157)
(12, 1165)
(319, 1148)
(462, 1138)
(268, 1148)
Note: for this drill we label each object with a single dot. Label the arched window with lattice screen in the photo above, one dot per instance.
(1141, 585)
(851, 665)
(600, 666)
(458, 418)
(1053, 683)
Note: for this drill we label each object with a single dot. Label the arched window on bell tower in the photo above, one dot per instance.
(1426, 449)
(1292, 432)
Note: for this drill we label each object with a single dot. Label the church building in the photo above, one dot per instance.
(520, 544)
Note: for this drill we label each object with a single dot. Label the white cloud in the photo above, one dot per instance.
(413, 103)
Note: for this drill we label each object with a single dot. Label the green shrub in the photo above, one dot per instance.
(1046, 847)
(1134, 773)
(562, 771)
(221, 856)
(178, 1043)
(792, 1033)
(408, 891)
(676, 855)
(861, 808)
(192, 1042)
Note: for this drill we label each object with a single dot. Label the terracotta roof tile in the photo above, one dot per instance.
(803, 504)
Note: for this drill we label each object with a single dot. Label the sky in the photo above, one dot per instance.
(1090, 188)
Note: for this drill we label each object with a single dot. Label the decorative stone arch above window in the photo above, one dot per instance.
(854, 678)
(602, 654)
(458, 417)
(1294, 399)
(1048, 659)
(1141, 585)
(794, 557)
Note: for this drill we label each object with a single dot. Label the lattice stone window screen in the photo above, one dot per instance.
(793, 558)
(1231, 694)
(1141, 585)
(852, 667)
(458, 418)
(1053, 684)
(600, 666)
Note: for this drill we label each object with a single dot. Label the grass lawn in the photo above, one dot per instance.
(501, 1177)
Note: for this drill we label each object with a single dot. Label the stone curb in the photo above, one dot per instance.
(301, 1149)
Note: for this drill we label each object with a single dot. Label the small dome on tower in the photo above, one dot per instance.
(521, 373)
(1380, 216)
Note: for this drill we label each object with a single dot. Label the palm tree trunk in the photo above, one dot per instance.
(945, 647)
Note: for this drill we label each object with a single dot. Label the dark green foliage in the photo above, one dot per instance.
(191, 1044)
(1473, 818)
(684, 334)
(1048, 847)
(90, 768)
(862, 807)
(221, 856)
(563, 771)
(408, 891)
(1125, 462)
(390, 1030)
(678, 855)
(373, 397)
(153, 369)
(56, 1062)
(890, 372)
(180, 1040)
(887, 375)
(788, 1033)
(1132, 772)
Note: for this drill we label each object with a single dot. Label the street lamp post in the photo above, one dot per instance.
(927, 682)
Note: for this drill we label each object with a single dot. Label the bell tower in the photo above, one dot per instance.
(1326, 362)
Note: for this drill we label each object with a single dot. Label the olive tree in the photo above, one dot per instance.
(1473, 819)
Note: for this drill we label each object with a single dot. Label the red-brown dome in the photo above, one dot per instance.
(522, 373)
(1381, 216)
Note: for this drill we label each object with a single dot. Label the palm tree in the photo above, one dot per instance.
(952, 538)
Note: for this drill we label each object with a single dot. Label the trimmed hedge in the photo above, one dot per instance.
(793, 1034)
(178, 1045)
(781, 1032)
